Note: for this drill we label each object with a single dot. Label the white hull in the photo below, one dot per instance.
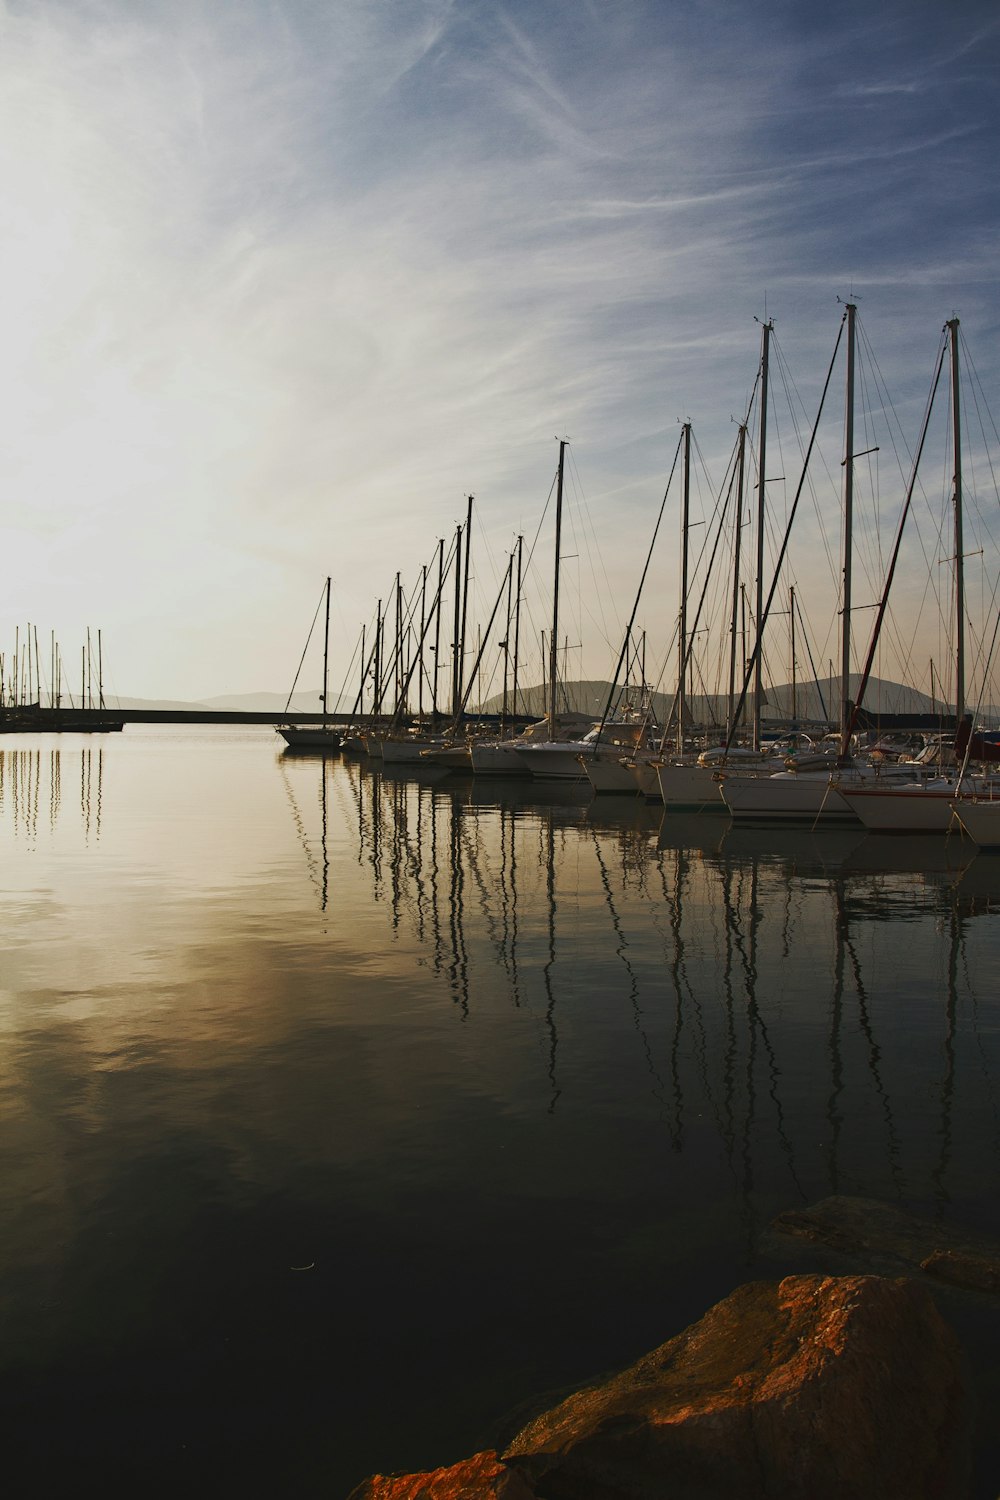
(551, 760)
(909, 809)
(610, 775)
(981, 821)
(449, 757)
(808, 796)
(499, 759)
(643, 773)
(692, 788)
(786, 798)
(407, 752)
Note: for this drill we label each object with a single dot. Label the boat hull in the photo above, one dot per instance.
(785, 798)
(981, 821)
(610, 777)
(554, 762)
(306, 738)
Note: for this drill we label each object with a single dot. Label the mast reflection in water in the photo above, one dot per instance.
(342, 1113)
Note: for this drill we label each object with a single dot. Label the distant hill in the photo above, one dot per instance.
(266, 703)
(263, 703)
(815, 702)
(181, 705)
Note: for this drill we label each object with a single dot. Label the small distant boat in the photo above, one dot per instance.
(314, 736)
(310, 736)
(32, 718)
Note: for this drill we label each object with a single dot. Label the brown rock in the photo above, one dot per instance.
(887, 1239)
(814, 1388)
(977, 1273)
(482, 1477)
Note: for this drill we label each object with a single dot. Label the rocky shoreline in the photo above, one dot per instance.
(839, 1382)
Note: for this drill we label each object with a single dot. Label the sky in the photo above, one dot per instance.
(284, 282)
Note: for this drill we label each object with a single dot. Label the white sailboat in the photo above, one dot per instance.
(807, 795)
(926, 806)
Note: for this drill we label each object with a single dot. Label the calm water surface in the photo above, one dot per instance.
(342, 1114)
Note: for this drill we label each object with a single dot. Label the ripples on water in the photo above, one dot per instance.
(341, 1114)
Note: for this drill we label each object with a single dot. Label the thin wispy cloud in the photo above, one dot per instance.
(282, 284)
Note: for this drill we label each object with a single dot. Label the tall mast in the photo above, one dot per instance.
(956, 428)
(758, 691)
(420, 668)
(791, 621)
(846, 706)
(465, 599)
(505, 645)
(741, 469)
(326, 653)
(456, 669)
(377, 678)
(554, 642)
(517, 625)
(398, 655)
(437, 627)
(682, 631)
(361, 689)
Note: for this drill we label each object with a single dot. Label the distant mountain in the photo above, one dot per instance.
(263, 703)
(815, 702)
(153, 704)
(266, 703)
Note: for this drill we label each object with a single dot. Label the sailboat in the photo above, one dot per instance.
(928, 806)
(810, 795)
(550, 737)
(688, 781)
(315, 736)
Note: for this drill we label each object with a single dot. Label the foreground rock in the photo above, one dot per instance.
(482, 1477)
(812, 1388)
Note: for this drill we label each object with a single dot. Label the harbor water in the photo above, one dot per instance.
(342, 1114)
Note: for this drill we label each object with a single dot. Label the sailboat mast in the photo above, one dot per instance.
(956, 427)
(423, 626)
(505, 645)
(758, 691)
(398, 654)
(737, 541)
(682, 631)
(326, 653)
(791, 621)
(554, 642)
(456, 682)
(437, 628)
(517, 626)
(361, 689)
(846, 706)
(465, 600)
(377, 678)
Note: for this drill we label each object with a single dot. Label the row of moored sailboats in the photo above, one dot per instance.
(934, 789)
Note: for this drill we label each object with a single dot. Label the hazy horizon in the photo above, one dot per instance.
(287, 282)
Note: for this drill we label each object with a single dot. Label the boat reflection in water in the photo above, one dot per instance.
(32, 781)
(315, 1076)
(759, 989)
